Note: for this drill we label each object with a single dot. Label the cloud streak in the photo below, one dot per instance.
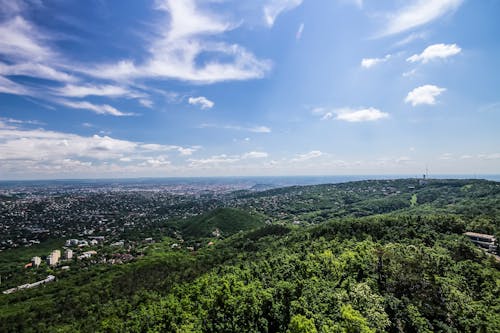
(371, 62)
(418, 13)
(275, 7)
(254, 129)
(353, 115)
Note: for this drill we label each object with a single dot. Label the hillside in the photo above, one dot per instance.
(376, 268)
(223, 221)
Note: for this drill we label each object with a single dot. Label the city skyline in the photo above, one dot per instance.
(102, 89)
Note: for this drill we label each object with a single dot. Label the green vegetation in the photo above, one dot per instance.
(227, 220)
(380, 264)
(413, 200)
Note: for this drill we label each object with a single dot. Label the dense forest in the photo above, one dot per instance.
(371, 256)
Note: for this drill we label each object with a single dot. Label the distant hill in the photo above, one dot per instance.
(227, 220)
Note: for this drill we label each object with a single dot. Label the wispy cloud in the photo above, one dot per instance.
(275, 7)
(491, 107)
(174, 54)
(10, 87)
(37, 70)
(21, 122)
(446, 156)
(20, 40)
(360, 115)
(217, 160)
(254, 129)
(491, 156)
(410, 73)
(104, 109)
(255, 154)
(307, 156)
(411, 37)
(371, 62)
(202, 102)
(418, 13)
(436, 51)
(300, 30)
(80, 91)
(351, 114)
(424, 95)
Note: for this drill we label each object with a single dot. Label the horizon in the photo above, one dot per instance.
(164, 88)
(341, 178)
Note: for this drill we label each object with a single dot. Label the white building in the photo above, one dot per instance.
(68, 254)
(54, 257)
(36, 261)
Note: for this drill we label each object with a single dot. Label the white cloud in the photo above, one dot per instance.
(350, 114)
(43, 152)
(39, 144)
(187, 20)
(174, 53)
(36, 70)
(10, 87)
(275, 7)
(424, 95)
(410, 73)
(492, 156)
(307, 156)
(327, 115)
(146, 102)
(446, 156)
(436, 51)
(255, 154)
(258, 129)
(71, 90)
(254, 129)
(21, 40)
(300, 30)
(370, 62)
(156, 162)
(214, 160)
(418, 13)
(202, 102)
(224, 159)
(360, 115)
(19, 122)
(99, 109)
(183, 151)
(410, 38)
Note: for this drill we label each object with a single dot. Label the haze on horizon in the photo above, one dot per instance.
(164, 88)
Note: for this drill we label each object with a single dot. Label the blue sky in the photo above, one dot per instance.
(266, 87)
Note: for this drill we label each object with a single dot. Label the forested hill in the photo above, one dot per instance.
(373, 256)
(475, 200)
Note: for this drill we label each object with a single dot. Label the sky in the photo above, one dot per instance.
(169, 88)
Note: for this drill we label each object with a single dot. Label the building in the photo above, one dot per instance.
(71, 242)
(36, 261)
(68, 254)
(54, 257)
(99, 239)
(487, 242)
(87, 254)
